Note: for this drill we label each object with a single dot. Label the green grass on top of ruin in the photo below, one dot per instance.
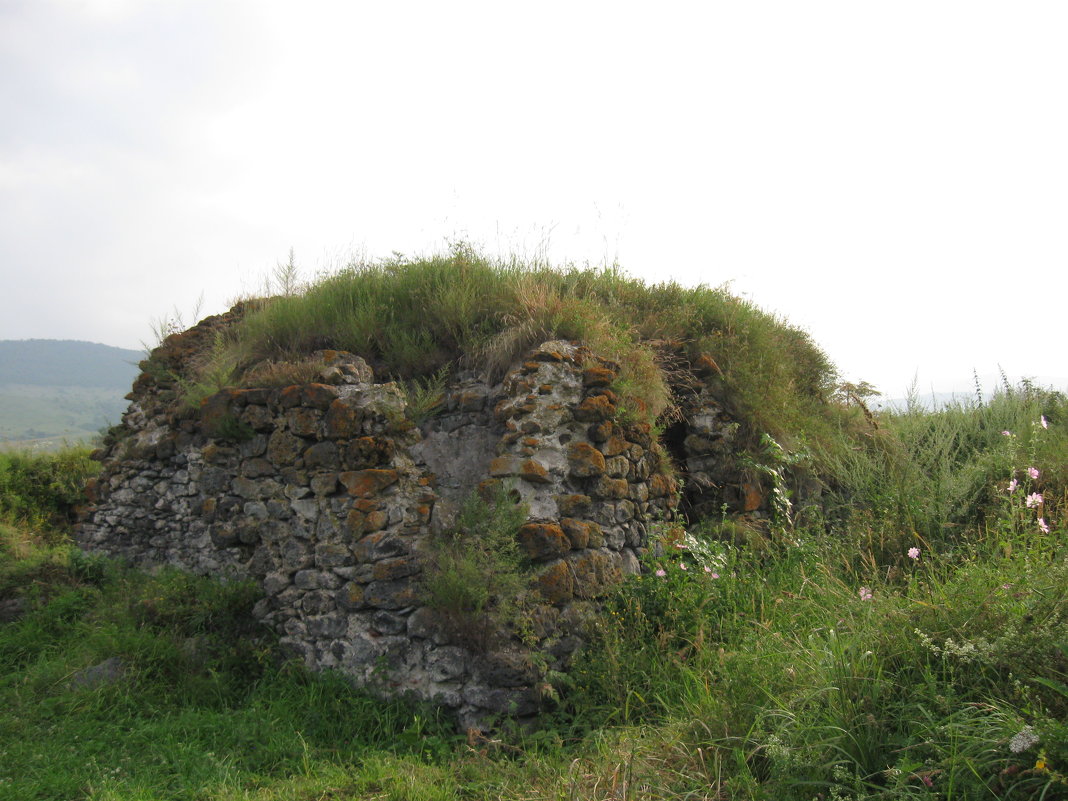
(412, 317)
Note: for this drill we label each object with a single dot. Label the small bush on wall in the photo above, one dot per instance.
(476, 572)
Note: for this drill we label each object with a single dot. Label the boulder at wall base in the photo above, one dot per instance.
(594, 571)
(107, 672)
(556, 583)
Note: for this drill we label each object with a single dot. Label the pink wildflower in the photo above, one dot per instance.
(715, 575)
(1006, 433)
(682, 565)
(1033, 472)
(661, 572)
(1044, 421)
(865, 594)
(1033, 500)
(1043, 525)
(1013, 485)
(914, 553)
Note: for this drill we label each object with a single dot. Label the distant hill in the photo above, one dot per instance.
(54, 391)
(67, 363)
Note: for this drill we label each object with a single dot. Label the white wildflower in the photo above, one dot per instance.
(1023, 740)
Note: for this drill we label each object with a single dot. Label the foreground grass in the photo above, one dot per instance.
(770, 677)
(888, 644)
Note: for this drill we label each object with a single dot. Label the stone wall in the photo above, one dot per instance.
(329, 494)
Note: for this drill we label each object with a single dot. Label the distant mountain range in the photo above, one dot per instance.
(55, 391)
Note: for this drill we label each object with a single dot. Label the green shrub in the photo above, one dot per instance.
(43, 490)
(476, 573)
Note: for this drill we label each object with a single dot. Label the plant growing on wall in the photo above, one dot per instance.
(475, 571)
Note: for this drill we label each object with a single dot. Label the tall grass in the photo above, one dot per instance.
(919, 476)
(411, 318)
(818, 673)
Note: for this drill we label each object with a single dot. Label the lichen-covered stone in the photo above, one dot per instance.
(503, 466)
(574, 505)
(350, 597)
(367, 483)
(584, 460)
(379, 545)
(390, 594)
(608, 488)
(360, 523)
(322, 456)
(303, 422)
(577, 531)
(342, 420)
(323, 483)
(543, 540)
(598, 376)
(532, 470)
(283, 447)
(258, 418)
(364, 452)
(614, 445)
(395, 568)
(216, 408)
(257, 468)
(556, 583)
(595, 409)
(331, 555)
(318, 396)
(595, 571)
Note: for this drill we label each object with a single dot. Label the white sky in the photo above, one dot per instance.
(892, 177)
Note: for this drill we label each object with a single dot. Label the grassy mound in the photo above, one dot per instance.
(414, 318)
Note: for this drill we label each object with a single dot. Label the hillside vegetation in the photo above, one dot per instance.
(61, 392)
(67, 363)
(902, 635)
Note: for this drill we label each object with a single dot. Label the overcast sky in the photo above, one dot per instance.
(891, 177)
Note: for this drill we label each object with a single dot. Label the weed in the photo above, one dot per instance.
(476, 572)
(424, 396)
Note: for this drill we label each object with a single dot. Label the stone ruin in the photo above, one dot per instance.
(329, 494)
